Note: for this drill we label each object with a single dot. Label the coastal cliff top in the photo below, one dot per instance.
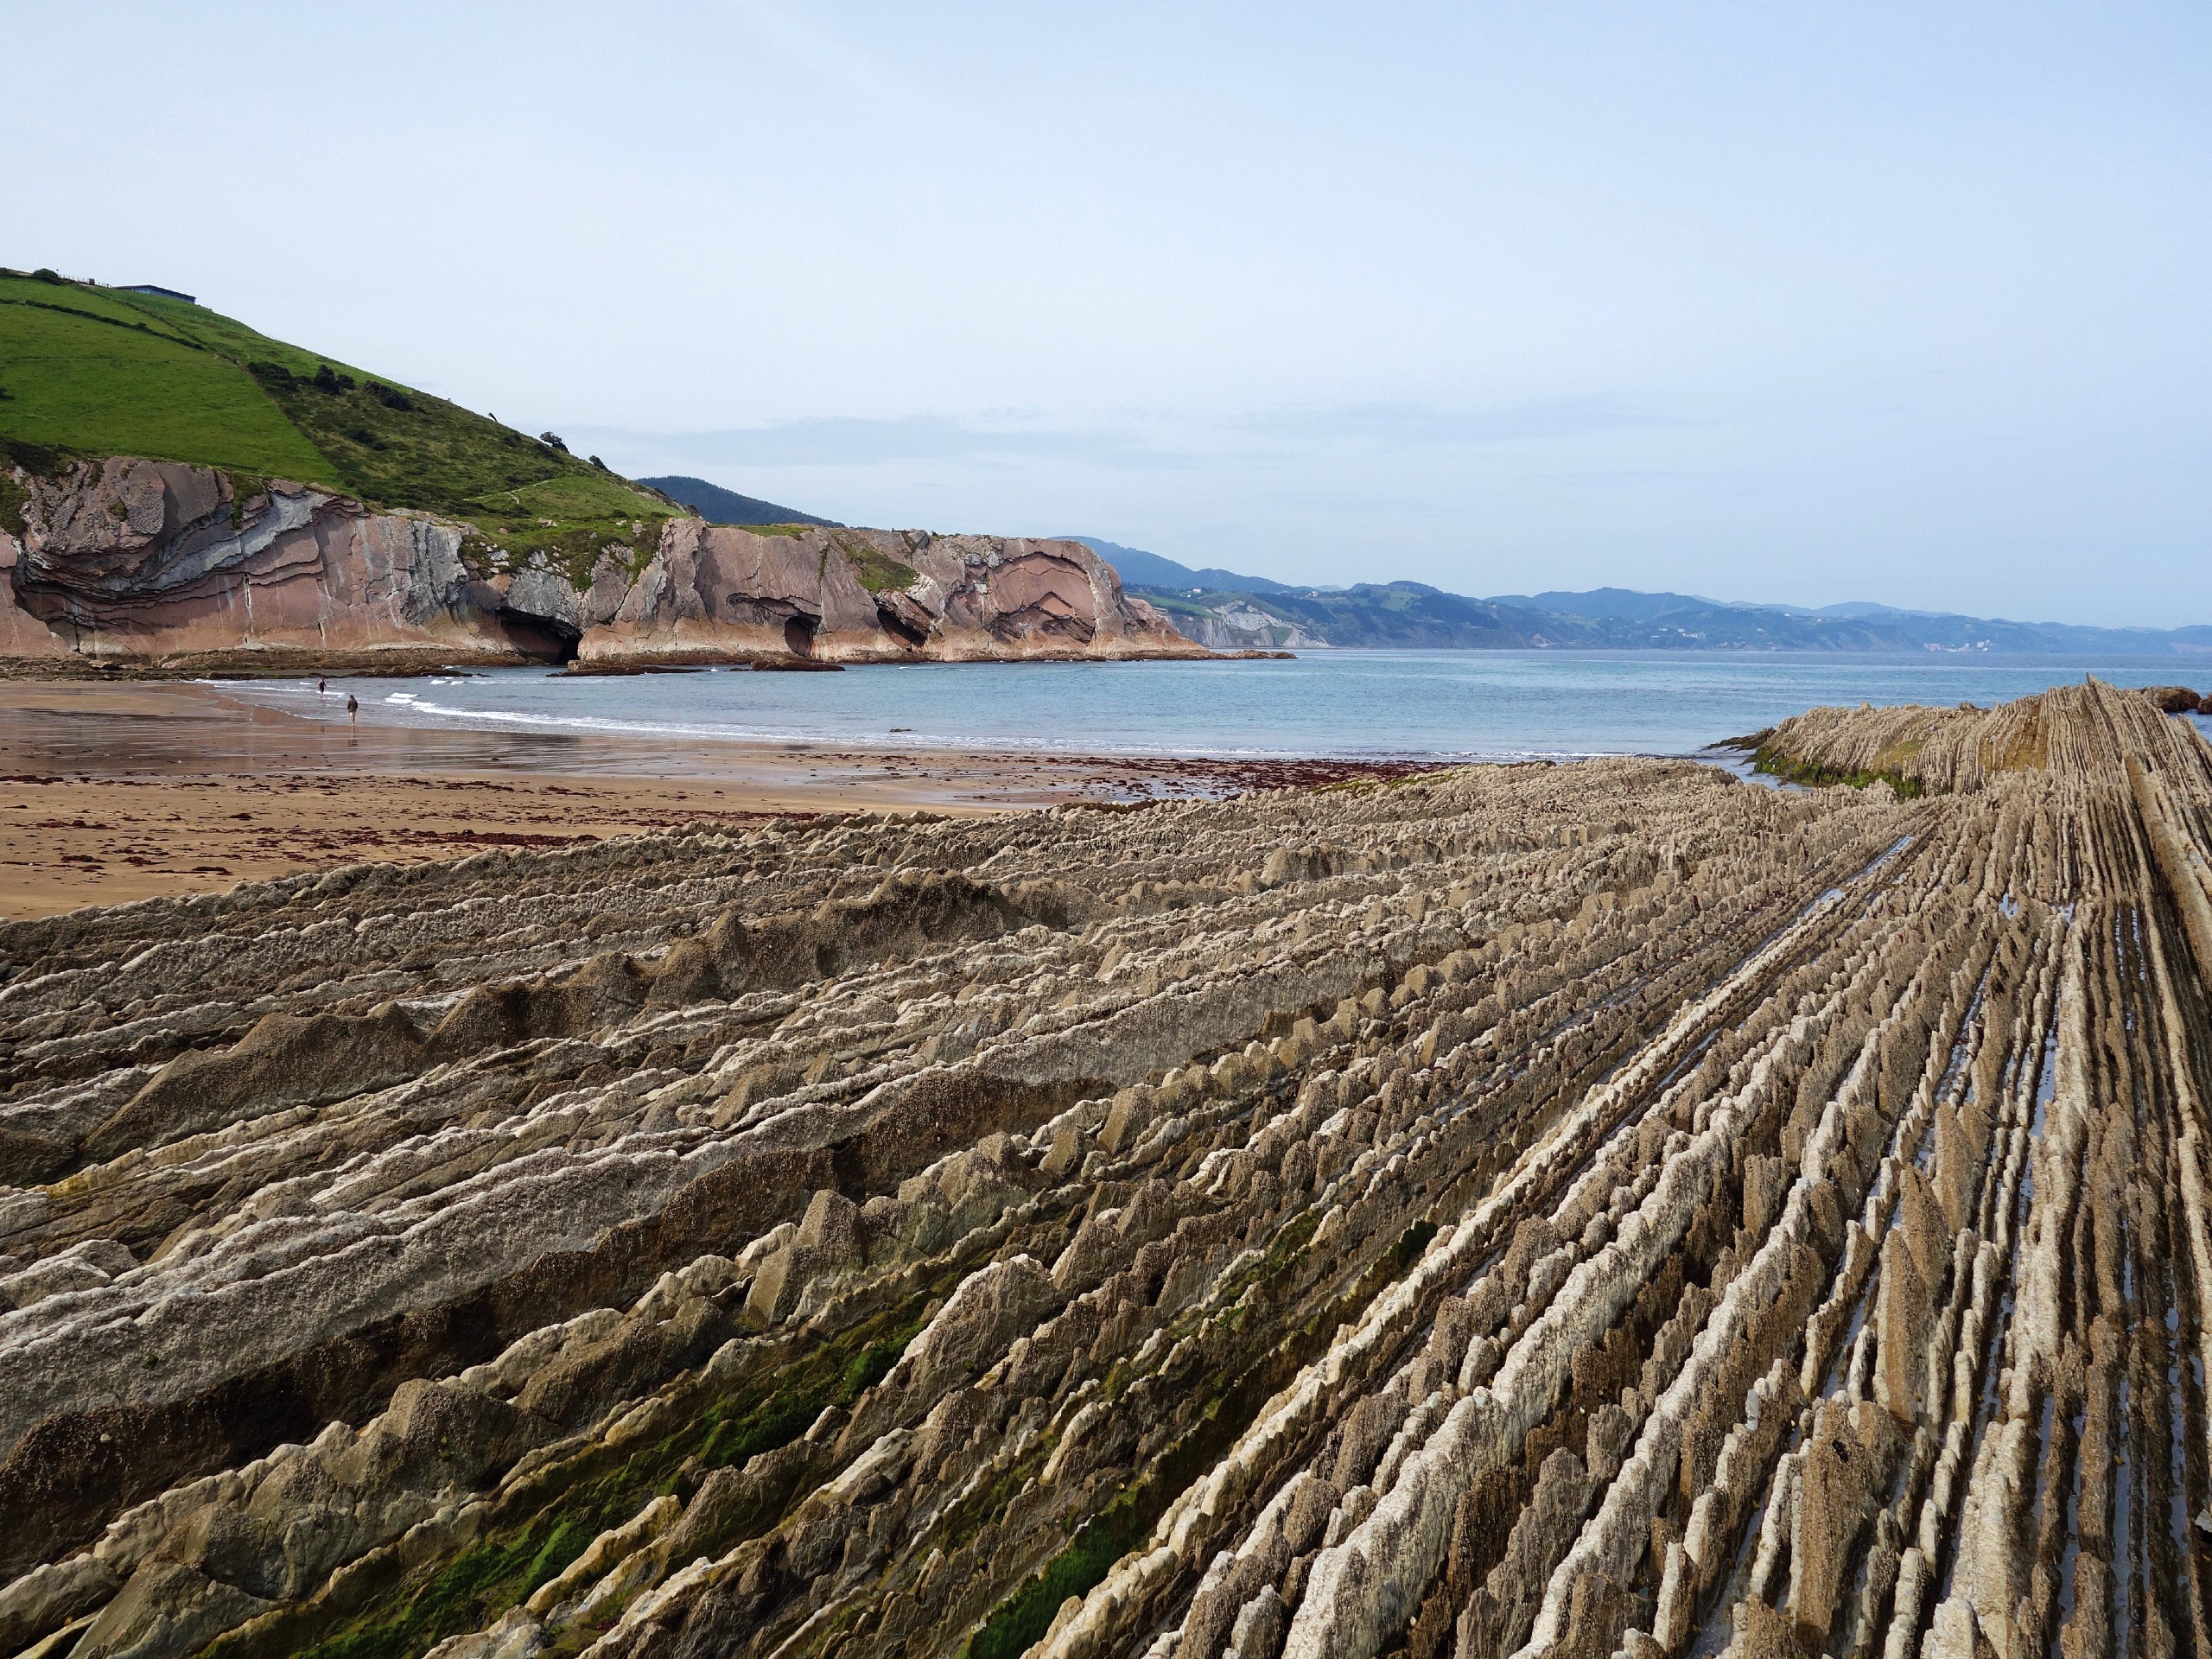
(93, 372)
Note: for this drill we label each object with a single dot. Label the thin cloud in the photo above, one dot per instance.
(1139, 440)
(856, 441)
(1409, 426)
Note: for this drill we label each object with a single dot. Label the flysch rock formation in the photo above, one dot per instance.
(1242, 626)
(1593, 1210)
(140, 563)
(714, 590)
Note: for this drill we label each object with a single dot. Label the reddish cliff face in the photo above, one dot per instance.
(130, 560)
(140, 563)
(868, 595)
(22, 636)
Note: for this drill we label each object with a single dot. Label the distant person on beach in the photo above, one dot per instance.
(322, 686)
(353, 708)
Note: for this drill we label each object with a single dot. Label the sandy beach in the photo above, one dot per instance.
(115, 792)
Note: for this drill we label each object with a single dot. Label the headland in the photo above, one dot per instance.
(181, 495)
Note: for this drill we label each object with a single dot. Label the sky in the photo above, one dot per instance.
(1765, 302)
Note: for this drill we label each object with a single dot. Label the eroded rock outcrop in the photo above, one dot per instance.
(128, 561)
(866, 595)
(1597, 1210)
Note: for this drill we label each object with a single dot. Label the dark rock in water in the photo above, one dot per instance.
(588, 670)
(2174, 699)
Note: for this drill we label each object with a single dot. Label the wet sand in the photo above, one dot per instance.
(113, 792)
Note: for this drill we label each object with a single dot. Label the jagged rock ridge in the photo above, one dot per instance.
(1588, 1210)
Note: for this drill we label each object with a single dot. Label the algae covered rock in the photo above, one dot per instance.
(1583, 1209)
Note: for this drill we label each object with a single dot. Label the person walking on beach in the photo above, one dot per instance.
(353, 708)
(322, 686)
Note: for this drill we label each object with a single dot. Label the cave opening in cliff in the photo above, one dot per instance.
(907, 633)
(798, 633)
(541, 639)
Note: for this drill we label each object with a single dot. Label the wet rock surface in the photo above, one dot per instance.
(1604, 1210)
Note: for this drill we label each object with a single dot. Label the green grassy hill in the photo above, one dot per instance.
(95, 372)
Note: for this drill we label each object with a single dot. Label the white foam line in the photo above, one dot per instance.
(412, 703)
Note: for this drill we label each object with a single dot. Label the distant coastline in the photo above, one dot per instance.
(1226, 610)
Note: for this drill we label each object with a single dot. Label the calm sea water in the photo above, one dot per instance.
(1444, 703)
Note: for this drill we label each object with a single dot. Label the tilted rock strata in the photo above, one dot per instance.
(139, 561)
(717, 589)
(1231, 625)
(24, 638)
(1602, 1209)
(1956, 750)
(133, 558)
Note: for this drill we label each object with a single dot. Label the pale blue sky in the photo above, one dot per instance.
(1770, 301)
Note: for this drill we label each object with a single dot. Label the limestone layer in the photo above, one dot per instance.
(1594, 1210)
(132, 563)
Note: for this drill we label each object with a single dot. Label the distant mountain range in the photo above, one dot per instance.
(1229, 612)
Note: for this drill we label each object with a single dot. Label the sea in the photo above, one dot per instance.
(1448, 705)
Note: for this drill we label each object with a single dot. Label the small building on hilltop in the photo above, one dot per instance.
(158, 292)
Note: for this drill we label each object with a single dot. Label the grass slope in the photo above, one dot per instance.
(79, 381)
(94, 371)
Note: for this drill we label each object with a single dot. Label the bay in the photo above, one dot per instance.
(1427, 704)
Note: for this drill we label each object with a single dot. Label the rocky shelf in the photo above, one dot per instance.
(1601, 1210)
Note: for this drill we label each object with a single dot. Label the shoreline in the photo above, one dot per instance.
(414, 661)
(111, 792)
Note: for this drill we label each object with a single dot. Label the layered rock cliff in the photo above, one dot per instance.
(1234, 623)
(859, 595)
(132, 563)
